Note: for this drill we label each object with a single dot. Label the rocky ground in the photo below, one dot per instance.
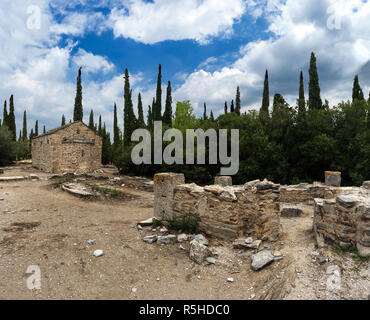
(45, 226)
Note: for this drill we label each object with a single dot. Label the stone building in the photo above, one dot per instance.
(73, 147)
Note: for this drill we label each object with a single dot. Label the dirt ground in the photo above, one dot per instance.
(45, 226)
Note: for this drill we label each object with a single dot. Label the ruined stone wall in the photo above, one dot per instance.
(71, 148)
(225, 212)
(344, 219)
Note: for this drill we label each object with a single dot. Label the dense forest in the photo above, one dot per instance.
(283, 143)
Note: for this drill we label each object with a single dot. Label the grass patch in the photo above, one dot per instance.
(350, 249)
(156, 223)
(188, 223)
(106, 191)
(59, 182)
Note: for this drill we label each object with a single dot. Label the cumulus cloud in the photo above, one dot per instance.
(160, 20)
(91, 62)
(335, 30)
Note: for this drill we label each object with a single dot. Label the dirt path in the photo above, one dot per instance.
(49, 228)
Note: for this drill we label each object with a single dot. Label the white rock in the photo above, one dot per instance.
(230, 280)
(249, 240)
(167, 239)
(198, 252)
(201, 239)
(91, 242)
(147, 222)
(163, 230)
(150, 239)
(98, 253)
(211, 260)
(182, 237)
(134, 290)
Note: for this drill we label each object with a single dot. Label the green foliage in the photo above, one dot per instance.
(78, 109)
(357, 92)
(11, 119)
(157, 110)
(314, 100)
(129, 119)
(91, 120)
(106, 191)
(167, 115)
(8, 147)
(188, 223)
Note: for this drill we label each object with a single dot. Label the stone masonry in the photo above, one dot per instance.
(70, 148)
(226, 212)
(345, 219)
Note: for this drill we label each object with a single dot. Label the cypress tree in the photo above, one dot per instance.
(211, 117)
(100, 129)
(205, 111)
(11, 119)
(116, 137)
(150, 118)
(91, 120)
(232, 106)
(5, 115)
(314, 99)
(37, 128)
(78, 109)
(129, 119)
(266, 95)
(31, 135)
(20, 136)
(24, 133)
(140, 120)
(63, 120)
(357, 92)
(225, 108)
(301, 99)
(44, 130)
(157, 113)
(167, 115)
(237, 101)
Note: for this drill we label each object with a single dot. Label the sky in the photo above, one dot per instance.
(206, 48)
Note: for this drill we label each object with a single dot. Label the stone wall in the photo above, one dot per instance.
(73, 147)
(344, 219)
(227, 212)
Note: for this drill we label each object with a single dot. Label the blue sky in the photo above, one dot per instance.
(206, 47)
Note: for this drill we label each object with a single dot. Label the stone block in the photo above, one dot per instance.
(291, 211)
(333, 178)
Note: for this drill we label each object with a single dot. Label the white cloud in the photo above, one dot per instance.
(298, 28)
(160, 20)
(91, 62)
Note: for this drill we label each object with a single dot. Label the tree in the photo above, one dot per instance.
(37, 128)
(116, 136)
(140, 119)
(232, 109)
(129, 119)
(314, 99)
(44, 130)
(205, 112)
(7, 147)
(211, 117)
(150, 118)
(5, 115)
(11, 119)
(357, 92)
(63, 120)
(24, 133)
(237, 102)
(167, 115)
(78, 109)
(301, 99)
(100, 128)
(266, 94)
(225, 108)
(157, 113)
(91, 120)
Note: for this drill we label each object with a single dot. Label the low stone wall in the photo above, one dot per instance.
(306, 193)
(344, 219)
(225, 212)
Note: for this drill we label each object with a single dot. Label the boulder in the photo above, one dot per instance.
(182, 237)
(348, 201)
(261, 259)
(146, 223)
(198, 252)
